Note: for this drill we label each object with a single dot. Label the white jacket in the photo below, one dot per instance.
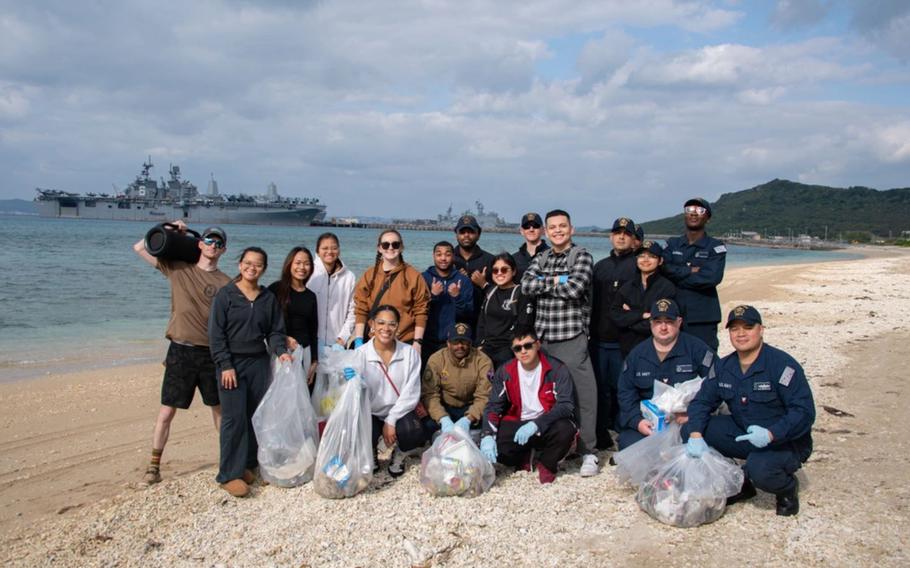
(404, 370)
(334, 302)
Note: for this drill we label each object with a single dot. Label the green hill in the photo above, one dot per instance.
(780, 207)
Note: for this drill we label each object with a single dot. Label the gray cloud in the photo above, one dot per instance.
(789, 14)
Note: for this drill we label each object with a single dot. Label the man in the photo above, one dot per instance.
(560, 280)
(451, 298)
(670, 357)
(531, 408)
(639, 237)
(771, 413)
(188, 364)
(609, 275)
(532, 232)
(473, 261)
(456, 383)
(695, 263)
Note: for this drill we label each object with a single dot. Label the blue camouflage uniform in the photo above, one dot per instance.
(774, 394)
(696, 292)
(689, 358)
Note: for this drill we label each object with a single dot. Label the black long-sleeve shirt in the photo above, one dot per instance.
(609, 274)
(633, 328)
(239, 327)
(500, 314)
(301, 318)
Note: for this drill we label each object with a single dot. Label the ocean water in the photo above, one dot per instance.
(76, 296)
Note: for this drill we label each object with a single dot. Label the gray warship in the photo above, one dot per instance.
(147, 200)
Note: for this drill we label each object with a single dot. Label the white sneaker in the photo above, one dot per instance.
(589, 466)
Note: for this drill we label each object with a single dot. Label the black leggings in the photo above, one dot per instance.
(409, 431)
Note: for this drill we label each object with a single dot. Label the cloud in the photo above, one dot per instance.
(790, 14)
(886, 23)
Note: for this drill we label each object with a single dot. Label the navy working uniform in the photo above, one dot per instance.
(773, 393)
(689, 358)
(696, 292)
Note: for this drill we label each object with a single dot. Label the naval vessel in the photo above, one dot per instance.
(148, 200)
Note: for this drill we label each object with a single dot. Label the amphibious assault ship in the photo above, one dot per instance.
(147, 200)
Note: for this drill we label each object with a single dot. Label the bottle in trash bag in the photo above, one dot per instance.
(165, 241)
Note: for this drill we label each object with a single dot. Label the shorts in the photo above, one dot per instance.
(187, 368)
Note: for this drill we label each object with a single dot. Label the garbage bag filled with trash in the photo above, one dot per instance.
(673, 399)
(686, 491)
(634, 463)
(344, 464)
(330, 381)
(453, 465)
(285, 426)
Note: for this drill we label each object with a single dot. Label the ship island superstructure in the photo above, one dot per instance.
(148, 200)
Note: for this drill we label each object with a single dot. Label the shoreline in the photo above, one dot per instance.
(75, 445)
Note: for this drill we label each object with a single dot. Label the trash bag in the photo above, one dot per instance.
(330, 380)
(285, 426)
(634, 463)
(344, 464)
(673, 399)
(453, 465)
(686, 491)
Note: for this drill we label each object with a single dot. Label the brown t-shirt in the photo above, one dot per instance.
(192, 290)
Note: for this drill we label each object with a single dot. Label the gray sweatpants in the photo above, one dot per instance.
(574, 353)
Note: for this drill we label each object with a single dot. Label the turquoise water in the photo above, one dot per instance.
(76, 296)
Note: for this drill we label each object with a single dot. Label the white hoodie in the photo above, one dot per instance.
(403, 370)
(334, 302)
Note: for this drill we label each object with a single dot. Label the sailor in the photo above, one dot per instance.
(671, 357)
(188, 364)
(451, 299)
(771, 413)
(695, 262)
(532, 232)
(473, 261)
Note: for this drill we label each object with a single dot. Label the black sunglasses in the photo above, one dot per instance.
(523, 347)
(393, 244)
(531, 225)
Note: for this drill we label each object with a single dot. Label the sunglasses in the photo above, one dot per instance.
(386, 245)
(531, 225)
(523, 347)
(501, 269)
(696, 209)
(217, 242)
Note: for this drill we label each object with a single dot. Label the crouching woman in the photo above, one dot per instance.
(244, 318)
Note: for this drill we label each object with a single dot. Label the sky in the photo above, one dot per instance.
(399, 109)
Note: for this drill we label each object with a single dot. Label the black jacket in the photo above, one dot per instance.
(239, 327)
(609, 274)
(523, 258)
(479, 260)
(633, 329)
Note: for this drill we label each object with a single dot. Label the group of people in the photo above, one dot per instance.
(542, 354)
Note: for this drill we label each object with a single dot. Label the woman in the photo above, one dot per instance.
(634, 298)
(298, 306)
(394, 282)
(244, 316)
(391, 373)
(333, 285)
(503, 309)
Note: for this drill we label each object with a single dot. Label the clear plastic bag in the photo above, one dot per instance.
(634, 463)
(344, 465)
(686, 491)
(330, 380)
(673, 399)
(285, 426)
(453, 465)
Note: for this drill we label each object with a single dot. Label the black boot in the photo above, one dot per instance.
(788, 503)
(745, 493)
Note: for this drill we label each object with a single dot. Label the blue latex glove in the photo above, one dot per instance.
(524, 433)
(541, 277)
(757, 436)
(358, 342)
(349, 373)
(488, 448)
(464, 424)
(564, 279)
(695, 447)
(338, 348)
(446, 424)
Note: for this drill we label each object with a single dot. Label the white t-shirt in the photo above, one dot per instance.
(530, 387)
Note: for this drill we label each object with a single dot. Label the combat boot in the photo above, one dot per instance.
(788, 503)
(745, 493)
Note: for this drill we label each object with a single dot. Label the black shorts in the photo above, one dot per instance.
(185, 369)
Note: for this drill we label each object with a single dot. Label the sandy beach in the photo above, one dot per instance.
(73, 448)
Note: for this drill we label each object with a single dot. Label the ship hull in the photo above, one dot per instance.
(112, 210)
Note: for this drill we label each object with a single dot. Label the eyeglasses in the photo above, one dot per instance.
(501, 269)
(217, 242)
(386, 245)
(531, 225)
(695, 209)
(523, 347)
(386, 323)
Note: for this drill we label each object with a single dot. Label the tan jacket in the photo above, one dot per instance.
(456, 383)
(408, 293)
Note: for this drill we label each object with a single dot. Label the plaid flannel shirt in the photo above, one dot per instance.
(563, 310)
